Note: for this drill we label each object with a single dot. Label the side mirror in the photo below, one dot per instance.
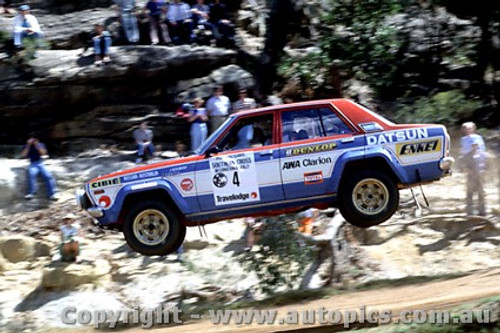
(212, 151)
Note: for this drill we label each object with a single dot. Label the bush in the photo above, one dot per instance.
(282, 255)
(447, 108)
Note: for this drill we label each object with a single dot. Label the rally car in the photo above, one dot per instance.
(270, 161)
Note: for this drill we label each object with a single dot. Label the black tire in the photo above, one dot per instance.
(151, 228)
(368, 198)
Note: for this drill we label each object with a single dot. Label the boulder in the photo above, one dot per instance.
(64, 276)
(18, 248)
(3, 264)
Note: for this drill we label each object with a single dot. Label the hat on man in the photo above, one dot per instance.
(69, 216)
(24, 7)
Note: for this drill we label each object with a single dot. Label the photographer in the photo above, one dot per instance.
(35, 150)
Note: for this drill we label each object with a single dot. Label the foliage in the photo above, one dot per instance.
(447, 108)
(282, 255)
(357, 39)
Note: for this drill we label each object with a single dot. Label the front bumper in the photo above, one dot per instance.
(83, 202)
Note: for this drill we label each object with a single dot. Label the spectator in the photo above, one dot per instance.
(223, 27)
(255, 227)
(35, 150)
(198, 121)
(158, 30)
(217, 108)
(201, 16)
(144, 138)
(473, 155)
(70, 233)
(26, 26)
(5, 4)
(180, 24)
(243, 102)
(102, 42)
(126, 11)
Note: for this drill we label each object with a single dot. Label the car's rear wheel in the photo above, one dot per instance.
(368, 198)
(151, 228)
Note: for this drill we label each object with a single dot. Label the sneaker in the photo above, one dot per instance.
(29, 196)
(53, 197)
(139, 160)
(98, 63)
(106, 59)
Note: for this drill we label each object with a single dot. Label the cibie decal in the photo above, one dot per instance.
(234, 178)
(398, 136)
(104, 201)
(311, 149)
(105, 182)
(187, 184)
(416, 148)
(313, 178)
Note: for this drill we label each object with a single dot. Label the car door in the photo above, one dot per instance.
(246, 171)
(313, 138)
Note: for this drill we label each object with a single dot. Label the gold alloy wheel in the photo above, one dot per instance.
(370, 196)
(151, 227)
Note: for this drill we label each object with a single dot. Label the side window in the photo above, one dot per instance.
(311, 123)
(249, 132)
(332, 124)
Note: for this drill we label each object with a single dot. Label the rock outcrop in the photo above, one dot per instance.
(64, 276)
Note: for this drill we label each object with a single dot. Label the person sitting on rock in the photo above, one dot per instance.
(25, 26)
(180, 24)
(223, 27)
(102, 42)
(144, 138)
(70, 238)
(35, 150)
(201, 17)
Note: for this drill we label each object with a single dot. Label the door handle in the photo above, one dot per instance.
(266, 152)
(347, 140)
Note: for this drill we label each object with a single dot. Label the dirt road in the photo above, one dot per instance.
(425, 296)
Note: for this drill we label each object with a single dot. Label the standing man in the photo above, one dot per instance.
(144, 138)
(158, 31)
(244, 102)
(473, 155)
(126, 11)
(217, 108)
(34, 150)
(180, 24)
(25, 26)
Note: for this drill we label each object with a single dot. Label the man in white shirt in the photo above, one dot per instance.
(243, 102)
(180, 25)
(217, 108)
(25, 26)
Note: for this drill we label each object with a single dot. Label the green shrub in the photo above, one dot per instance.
(447, 108)
(282, 255)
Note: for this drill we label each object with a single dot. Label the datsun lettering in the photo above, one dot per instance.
(284, 158)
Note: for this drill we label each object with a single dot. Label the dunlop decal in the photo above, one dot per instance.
(311, 149)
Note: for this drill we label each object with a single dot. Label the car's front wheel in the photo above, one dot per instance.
(368, 198)
(151, 228)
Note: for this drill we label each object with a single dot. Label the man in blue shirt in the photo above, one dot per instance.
(158, 30)
(35, 150)
(180, 24)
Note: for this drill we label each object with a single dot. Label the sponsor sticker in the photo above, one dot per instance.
(143, 186)
(311, 178)
(187, 184)
(142, 175)
(397, 136)
(417, 148)
(104, 201)
(234, 178)
(105, 182)
(311, 149)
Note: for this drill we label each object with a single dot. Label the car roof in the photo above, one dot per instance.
(289, 105)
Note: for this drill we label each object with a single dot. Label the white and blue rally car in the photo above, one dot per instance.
(273, 160)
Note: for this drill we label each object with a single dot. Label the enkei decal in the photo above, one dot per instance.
(105, 182)
(187, 184)
(406, 135)
(311, 149)
(415, 148)
(313, 178)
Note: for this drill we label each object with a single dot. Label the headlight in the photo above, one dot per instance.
(82, 201)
